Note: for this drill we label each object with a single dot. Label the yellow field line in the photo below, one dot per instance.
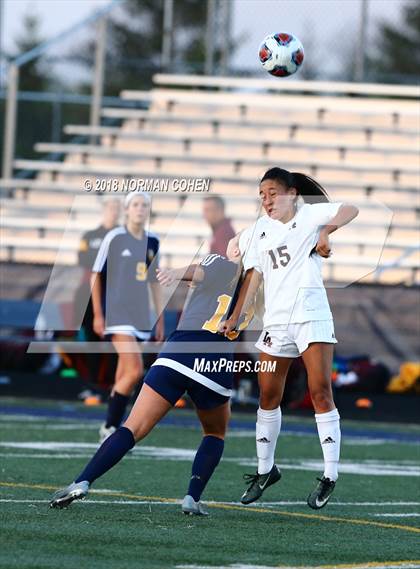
(368, 564)
(317, 517)
(239, 508)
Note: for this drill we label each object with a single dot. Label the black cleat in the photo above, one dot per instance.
(257, 483)
(322, 493)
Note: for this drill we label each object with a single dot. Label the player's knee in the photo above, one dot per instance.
(215, 429)
(139, 430)
(269, 400)
(322, 399)
(132, 374)
(218, 433)
(136, 372)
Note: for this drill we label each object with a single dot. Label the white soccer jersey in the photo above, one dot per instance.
(293, 287)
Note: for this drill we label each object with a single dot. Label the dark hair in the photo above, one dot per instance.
(306, 187)
(216, 199)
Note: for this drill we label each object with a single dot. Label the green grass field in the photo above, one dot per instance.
(133, 518)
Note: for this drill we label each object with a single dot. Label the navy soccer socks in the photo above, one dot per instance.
(207, 458)
(109, 453)
(117, 405)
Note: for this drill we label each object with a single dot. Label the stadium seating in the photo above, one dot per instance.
(363, 148)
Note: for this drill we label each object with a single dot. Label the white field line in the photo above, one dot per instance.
(178, 503)
(91, 426)
(288, 503)
(348, 441)
(404, 515)
(34, 455)
(75, 450)
(28, 417)
(24, 418)
(113, 502)
(62, 425)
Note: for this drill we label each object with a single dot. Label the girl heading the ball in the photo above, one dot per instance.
(285, 251)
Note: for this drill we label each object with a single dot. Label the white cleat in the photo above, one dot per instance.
(75, 491)
(105, 432)
(192, 508)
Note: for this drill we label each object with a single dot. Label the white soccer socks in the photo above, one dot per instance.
(268, 429)
(328, 425)
(267, 432)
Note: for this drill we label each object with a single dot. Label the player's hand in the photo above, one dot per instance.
(99, 325)
(160, 330)
(227, 326)
(323, 247)
(165, 277)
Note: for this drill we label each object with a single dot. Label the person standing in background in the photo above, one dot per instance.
(92, 240)
(223, 232)
(122, 270)
(100, 368)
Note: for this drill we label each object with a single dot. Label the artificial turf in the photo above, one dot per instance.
(133, 518)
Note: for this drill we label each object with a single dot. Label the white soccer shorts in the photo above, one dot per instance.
(291, 340)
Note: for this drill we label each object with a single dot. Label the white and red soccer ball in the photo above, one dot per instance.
(281, 54)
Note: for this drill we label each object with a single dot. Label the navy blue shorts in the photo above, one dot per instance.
(172, 385)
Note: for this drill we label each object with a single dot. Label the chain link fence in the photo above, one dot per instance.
(340, 37)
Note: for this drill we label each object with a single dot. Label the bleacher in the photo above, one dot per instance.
(360, 141)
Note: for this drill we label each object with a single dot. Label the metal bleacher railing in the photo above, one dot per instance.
(228, 129)
(100, 18)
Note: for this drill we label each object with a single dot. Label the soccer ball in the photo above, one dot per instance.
(281, 54)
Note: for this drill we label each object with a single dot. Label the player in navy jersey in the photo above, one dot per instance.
(215, 281)
(124, 269)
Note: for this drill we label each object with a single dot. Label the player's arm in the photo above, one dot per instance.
(246, 298)
(158, 304)
(166, 277)
(96, 294)
(96, 284)
(344, 215)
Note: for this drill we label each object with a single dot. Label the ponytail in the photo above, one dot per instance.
(308, 188)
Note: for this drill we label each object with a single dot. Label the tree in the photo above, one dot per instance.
(34, 75)
(397, 53)
(33, 118)
(134, 42)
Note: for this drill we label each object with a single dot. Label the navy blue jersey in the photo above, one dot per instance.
(211, 299)
(89, 246)
(125, 261)
(211, 302)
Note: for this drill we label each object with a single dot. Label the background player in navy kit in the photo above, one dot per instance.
(92, 240)
(88, 250)
(215, 281)
(123, 262)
